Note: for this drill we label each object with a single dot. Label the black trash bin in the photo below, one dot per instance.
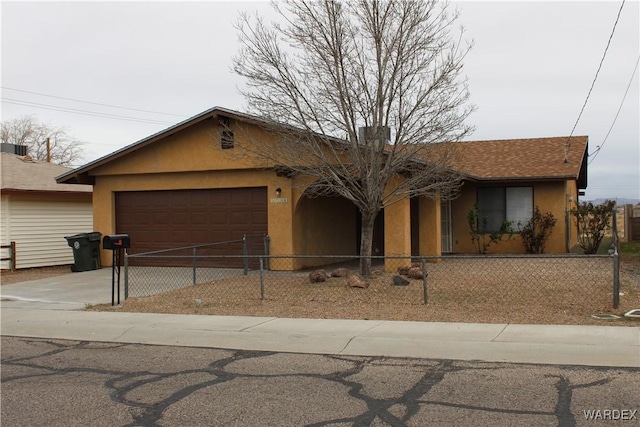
(86, 251)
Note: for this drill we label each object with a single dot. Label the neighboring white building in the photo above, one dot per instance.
(37, 213)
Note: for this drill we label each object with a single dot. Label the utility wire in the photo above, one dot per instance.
(566, 144)
(595, 153)
(82, 112)
(92, 103)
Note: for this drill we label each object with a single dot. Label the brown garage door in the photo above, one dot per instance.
(170, 219)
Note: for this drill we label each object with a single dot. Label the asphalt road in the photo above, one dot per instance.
(73, 383)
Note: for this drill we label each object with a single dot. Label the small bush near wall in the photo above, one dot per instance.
(536, 232)
(593, 221)
(479, 236)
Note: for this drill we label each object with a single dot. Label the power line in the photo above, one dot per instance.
(92, 103)
(594, 81)
(595, 153)
(82, 112)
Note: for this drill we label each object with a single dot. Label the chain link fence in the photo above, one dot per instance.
(559, 282)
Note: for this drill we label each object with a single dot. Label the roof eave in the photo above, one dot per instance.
(519, 178)
(28, 191)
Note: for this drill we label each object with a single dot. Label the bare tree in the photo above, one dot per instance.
(360, 94)
(45, 142)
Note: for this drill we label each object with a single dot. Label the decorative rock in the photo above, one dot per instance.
(356, 281)
(341, 272)
(414, 273)
(318, 276)
(400, 281)
(403, 270)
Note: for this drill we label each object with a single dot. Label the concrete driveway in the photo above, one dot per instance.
(67, 292)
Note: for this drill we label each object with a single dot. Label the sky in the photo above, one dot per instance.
(112, 73)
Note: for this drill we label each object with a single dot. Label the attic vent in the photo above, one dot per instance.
(224, 121)
(226, 136)
(226, 139)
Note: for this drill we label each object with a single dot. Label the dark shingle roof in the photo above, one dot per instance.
(532, 158)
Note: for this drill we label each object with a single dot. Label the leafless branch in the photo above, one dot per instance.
(28, 130)
(328, 68)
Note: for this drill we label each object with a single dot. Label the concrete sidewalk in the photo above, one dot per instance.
(555, 344)
(47, 308)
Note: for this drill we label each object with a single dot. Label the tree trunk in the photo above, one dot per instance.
(366, 242)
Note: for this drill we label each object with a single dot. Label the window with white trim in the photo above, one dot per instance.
(499, 204)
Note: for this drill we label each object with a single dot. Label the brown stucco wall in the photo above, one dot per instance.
(430, 227)
(196, 148)
(551, 197)
(324, 226)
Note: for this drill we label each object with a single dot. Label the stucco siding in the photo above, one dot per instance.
(193, 149)
(325, 226)
(38, 225)
(548, 196)
(551, 197)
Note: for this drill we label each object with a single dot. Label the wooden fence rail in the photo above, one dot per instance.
(12, 255)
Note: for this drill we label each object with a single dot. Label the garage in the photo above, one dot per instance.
(166, 219)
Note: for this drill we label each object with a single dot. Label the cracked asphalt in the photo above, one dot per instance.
(79, 383)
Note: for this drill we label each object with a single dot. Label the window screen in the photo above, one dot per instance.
(519, 206)
(497, 204)
(491, 206)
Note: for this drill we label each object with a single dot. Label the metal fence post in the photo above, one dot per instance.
(126, 275)
(245, 253)
(616, 260)
(424, 281)
(267, 241)
(616, 278)
(194, 265)
(261, 278)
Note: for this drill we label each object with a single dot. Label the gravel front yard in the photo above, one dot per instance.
(487, 301)
(538, 294)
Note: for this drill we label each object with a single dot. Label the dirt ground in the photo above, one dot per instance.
(8, 277)
(515, 297)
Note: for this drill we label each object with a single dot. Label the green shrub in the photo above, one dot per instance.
(593, 221)
(536, 231)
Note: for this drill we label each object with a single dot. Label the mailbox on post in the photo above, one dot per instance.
(116, 243)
